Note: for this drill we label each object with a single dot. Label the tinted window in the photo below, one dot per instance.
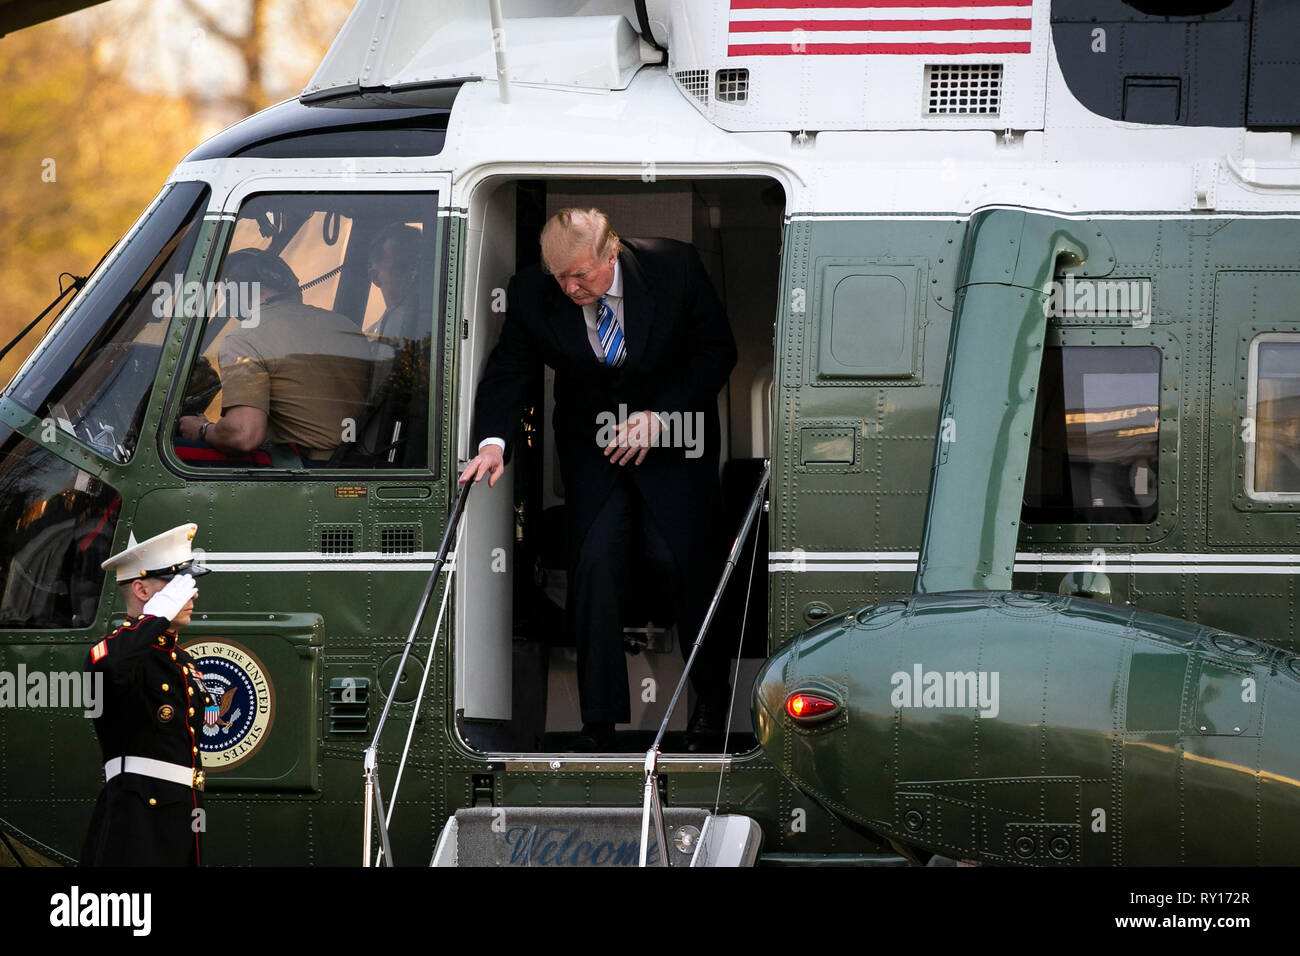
(376, 141)
(93, 378)
(56, 527)
(1275, 385)
(1094, 456)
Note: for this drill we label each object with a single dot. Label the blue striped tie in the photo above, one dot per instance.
(610, 331)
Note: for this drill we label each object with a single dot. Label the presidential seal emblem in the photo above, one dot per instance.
(241, 704)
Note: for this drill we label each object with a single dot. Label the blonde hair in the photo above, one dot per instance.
(571, 232)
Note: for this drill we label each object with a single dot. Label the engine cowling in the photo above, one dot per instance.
(1025, 728)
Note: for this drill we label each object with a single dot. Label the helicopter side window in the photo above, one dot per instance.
(93, 379)
(1094, 454)
(56, 527)
(1273, 412)
(317, 349)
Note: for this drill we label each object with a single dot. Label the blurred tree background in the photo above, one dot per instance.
(97, 107)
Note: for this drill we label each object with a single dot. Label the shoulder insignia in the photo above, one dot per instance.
(99, 652)
(128, 625)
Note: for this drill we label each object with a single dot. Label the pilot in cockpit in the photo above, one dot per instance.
(294, 378)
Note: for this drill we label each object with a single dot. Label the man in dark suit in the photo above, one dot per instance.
(641, 347)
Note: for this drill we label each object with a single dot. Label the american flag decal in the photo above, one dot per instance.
(942, 27)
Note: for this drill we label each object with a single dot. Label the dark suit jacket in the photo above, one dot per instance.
(680, 352)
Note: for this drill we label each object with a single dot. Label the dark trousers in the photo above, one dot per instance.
(599, 587)
(127, 830)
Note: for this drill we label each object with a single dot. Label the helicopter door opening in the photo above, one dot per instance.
(516, 687)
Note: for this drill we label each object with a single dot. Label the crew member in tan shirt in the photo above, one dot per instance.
(292, 375)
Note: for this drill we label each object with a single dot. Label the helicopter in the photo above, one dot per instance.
(1006, 448)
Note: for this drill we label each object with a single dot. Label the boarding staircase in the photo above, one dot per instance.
(651, 835)
(593, 837)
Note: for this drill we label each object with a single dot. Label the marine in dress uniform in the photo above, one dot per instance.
(152, 715)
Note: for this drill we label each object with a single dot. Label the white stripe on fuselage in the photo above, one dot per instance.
(905, 562)
(263, 561)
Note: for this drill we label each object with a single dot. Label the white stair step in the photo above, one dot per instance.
(592, 836)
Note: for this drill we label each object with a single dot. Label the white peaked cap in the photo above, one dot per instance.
(161, 556)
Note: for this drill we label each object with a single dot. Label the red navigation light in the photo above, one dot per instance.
(802, 705)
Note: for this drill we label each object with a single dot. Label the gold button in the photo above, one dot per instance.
(189, 691)
(207, 700)
(191, 711)
(173, 655)
(166, 687)
(153, 802)
(161, 641)
(195, 749)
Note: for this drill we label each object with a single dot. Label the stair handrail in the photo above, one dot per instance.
(650, 805)
(374, 799)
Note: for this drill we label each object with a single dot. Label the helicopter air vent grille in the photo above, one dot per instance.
(731, 86)
(694, 82)
(337, 540)
(349, 705)
(963, 88)
(399, 539)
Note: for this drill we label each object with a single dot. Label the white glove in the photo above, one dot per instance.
(168, 602)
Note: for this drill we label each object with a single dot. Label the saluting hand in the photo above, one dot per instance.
(171, 600)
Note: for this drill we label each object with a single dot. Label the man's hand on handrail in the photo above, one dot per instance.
(489, 461)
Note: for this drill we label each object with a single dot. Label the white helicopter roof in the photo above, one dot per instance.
(747, 65)
(589, 99)
(402, 44)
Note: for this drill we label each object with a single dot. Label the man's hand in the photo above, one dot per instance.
(489, 461)
(171, 600)
(634, 438)
(239, 430)
(189, 426)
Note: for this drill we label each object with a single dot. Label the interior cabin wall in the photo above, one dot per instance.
(743, 255)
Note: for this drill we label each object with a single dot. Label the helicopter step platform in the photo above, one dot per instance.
(592, 836)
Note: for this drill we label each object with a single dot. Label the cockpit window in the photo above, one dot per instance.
(93, 378)
(317, 349)
(56, 527)
(1094, 455)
